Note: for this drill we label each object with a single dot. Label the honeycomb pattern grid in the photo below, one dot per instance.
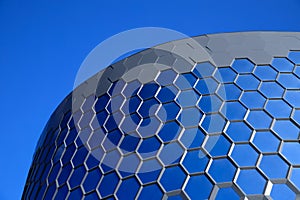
(223, 130)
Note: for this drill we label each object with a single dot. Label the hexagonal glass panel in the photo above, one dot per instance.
(247, 82)
(266, 141)
(278, 108)
(243, 66)
(172, 178)
(239, 131)
(253, 99)
(196, 182)
(195, 161)
(279, 167)
(271, 89)
(291, 151)
(242, 151)
(265, 72)
(282, 65)
(225, 75)
(251, 181)
(286, 129)
(222, 170)
(282, 191)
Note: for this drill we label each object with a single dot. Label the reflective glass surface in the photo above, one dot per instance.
(191, 130)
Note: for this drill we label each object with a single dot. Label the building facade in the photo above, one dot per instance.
(209, 117)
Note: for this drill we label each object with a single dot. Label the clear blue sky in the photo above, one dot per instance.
(43, 43)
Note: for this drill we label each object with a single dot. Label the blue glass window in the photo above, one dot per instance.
(295, 177)
(271, 89)
(101, 117)
(131, 89)
(251, 181)
(195, 183)
(185, 81)
(171, 153)
(130, 123)
(296, 116)
(64, 174)
(291, 150)
(110, 161)
(294, 56)
(131, 105)
(282, 65)
(149, 171)
(94, 158)
(128, 165)
(176, 196)
(166, 77)
(102, 102)
(75, 194)
(273, 166)
(151, 192)
(286, 129)
(168, 111)
(227, 193)
(95, 139)
(187, 98)
(202, 70)
(149, 147)
(217, 145)
(289, 81)
(233, 111)
(113, 121)
(149, 126)
(172, 178)
(92, 179)
(86, 119)
(88, 103)
(210, 103)
(265, 73)
(167, 94)
(91, 196)
(130, 142)
(229, 92)
(192, 138)
(116, 87)
(148, 90)
(69, 152)
(213, 123)
(115, 103)
(253, 99)
(297, 71)
(225, 75)
(50, 192)
(278, 108)
(112, 139)
(62, 193)
(170, 131)
(79, 156)
(292, 97)
(195, 161)
(108, 184)
(266, 141)
(244, 155)
(190, 117)
(77, 176)
(148, 108)
(124, 193)
(281, 192)
(238, 131)
(247, 82)
(242, 66)
(259, 119)
(222, 170)
(206, 86)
